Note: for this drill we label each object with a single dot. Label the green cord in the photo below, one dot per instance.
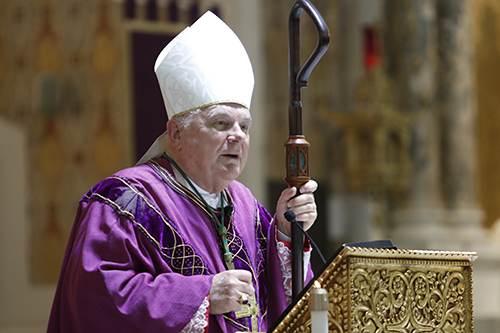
(221, 229)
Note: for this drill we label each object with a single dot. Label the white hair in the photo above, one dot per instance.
(186, 119)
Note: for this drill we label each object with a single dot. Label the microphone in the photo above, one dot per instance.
(291, 217)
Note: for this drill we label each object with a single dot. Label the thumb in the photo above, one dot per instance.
(286, 195)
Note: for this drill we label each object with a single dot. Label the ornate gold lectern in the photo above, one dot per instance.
(390, 290)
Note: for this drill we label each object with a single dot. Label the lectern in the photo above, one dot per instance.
(390, 290)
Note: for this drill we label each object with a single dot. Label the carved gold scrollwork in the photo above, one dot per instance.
(337, 314)
(392, 291)
(409, 301)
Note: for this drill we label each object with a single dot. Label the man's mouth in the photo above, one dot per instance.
(231, 155)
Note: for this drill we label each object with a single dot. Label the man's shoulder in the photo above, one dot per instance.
(136, 172)
(236, 185)
(136, 175)
(132, 179)
(238, 190)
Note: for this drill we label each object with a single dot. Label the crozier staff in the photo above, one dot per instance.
(175, 243)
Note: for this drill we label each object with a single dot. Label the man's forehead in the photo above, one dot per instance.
(227, 110)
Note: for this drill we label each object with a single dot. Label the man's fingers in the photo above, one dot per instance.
(247, 285)
(309, 187)
(227, 289)
(242, 275)
(301, 200)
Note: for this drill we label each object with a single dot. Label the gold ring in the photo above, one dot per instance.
(243, 299)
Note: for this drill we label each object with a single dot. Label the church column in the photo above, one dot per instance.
(458, 113)
(457, 104)
(411, 62)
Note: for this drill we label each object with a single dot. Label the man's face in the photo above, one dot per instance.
(215, 145)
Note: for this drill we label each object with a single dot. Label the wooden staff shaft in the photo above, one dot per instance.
(297, 156)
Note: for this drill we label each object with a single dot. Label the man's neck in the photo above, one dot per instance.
(212, 199)
(207, 184)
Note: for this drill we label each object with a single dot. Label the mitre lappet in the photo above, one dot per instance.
(205, 64)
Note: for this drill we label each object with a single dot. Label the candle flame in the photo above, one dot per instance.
(317, 285)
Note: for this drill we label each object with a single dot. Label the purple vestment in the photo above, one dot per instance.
(143, 252)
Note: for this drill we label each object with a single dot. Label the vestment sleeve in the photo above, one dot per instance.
(285, 255)
(199, 322)
(115, 280)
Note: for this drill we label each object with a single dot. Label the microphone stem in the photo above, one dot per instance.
(298, 224)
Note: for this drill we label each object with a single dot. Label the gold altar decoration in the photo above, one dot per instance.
(376, 136)
(385, 290)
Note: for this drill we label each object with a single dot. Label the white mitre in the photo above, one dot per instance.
(205, 64)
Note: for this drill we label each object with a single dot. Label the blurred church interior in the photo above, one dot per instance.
(402, 114)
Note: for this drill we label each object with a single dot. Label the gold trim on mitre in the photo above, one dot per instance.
(207, 105)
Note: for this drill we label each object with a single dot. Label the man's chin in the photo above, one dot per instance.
(231, 171)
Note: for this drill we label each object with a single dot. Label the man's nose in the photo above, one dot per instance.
(236, 134)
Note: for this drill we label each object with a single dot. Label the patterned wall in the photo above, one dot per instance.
(63, 78)
(62, 84)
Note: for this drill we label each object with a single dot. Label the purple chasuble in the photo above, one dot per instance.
(143, 252)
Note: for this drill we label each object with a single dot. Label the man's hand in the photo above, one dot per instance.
(227, 288)
(304, 207)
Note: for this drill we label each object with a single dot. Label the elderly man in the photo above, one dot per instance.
(175, 243)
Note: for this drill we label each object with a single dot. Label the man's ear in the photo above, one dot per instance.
(174, 131)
